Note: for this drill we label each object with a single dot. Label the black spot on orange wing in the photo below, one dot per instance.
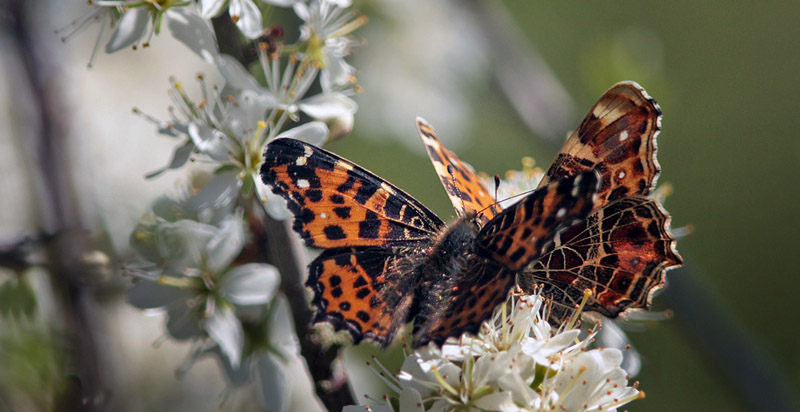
(352, 292)
(465, 189)
(620, 252)
(618, 139)
(338, 204)
(519, 233)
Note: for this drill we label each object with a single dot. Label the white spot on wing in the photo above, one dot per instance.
(561, 212)
(623, 136)
(576, 186)
(303, 183)
(386, 187)
(344, 165)
(301, 161)
(323, 215)
(621, 174)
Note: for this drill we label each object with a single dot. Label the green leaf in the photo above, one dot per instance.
(17, 298)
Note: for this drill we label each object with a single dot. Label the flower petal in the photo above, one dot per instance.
(218, 194)
(250, 284)
(236, 75)
(183, 321)
(193, 31)
(281, 324)
(328, 105)
(410, 400)
(272, 376)
(224, 328)
(211, 8)
(276, 206)
(302, 11)
(315, 133)
(130, 29)
(226, 245)
(237, 376)
(247, 17)
(179, 158)
(493, 401)
(209, 141)
(280, 3)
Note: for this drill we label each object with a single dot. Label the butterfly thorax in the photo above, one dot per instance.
(451, 253)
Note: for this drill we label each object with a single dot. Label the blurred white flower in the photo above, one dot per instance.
(429, 66)
(517, 362)
(325, 33)
(244, 13)
(186, 269)
(136, 21)
(286, 89)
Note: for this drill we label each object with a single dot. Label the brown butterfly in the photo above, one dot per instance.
(387, 260)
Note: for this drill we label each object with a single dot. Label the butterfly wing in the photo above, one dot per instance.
(620, 252)
(365, 291)
(623, 248)
(472, 301)
(369, 229)
(339, 204)
(518, 234)
(616, 138)
(465, 189)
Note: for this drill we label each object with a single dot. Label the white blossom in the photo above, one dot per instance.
(325, 31)
(186, 269)
(517, 362)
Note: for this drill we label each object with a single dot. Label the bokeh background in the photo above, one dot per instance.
(499, 81)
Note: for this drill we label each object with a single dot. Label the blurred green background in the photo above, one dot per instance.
(726, 76)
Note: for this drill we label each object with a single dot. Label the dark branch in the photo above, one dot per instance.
(279, 247)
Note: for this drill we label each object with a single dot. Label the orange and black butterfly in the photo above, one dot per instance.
(388, 260)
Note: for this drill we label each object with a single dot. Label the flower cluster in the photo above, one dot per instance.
(195, 252)
(517, 362)
(135, 22)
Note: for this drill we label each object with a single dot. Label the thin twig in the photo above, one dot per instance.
(60, 219)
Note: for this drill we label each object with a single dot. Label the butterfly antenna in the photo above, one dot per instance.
(453, 177)
(497, 202)
(496, 185)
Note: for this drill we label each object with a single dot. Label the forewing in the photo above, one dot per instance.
(465, 189)
(519, 233)
(620, 253)
(355, 290)
(339, 204)
(618, 139)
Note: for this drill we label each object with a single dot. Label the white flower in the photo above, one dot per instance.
(287, 89)
(326, 27)
(429, 65)
(517, 362)
(244, 13)
(189, 274)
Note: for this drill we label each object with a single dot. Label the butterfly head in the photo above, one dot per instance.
(459, 236)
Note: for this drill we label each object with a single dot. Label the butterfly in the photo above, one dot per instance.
(622, 250)
(387, 260)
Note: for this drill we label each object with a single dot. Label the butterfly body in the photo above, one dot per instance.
(387, 260)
